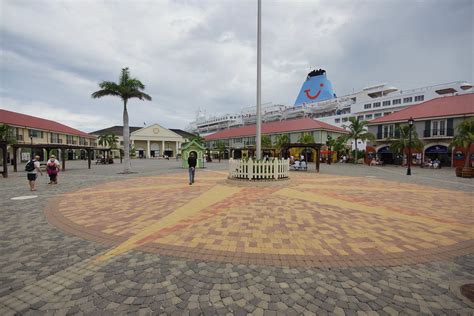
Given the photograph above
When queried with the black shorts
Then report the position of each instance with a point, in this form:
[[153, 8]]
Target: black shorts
[[31, 176]]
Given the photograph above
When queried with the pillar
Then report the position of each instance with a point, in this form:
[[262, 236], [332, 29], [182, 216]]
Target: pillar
[[148, 149], [162, 147], [88, 158], [177, 146], [63, 159], [15, 159], [5, 163]]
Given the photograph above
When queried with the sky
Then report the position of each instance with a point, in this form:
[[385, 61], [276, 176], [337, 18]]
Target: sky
[[201, 55]]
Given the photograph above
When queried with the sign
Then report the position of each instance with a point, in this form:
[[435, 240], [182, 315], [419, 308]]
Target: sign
[[458, 155], [438, 149]]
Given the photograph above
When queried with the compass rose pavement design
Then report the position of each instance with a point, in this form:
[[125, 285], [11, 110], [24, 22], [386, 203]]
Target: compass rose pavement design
[[310, 220]]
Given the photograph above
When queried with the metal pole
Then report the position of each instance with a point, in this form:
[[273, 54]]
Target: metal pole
[[259, 82], [409, 153]]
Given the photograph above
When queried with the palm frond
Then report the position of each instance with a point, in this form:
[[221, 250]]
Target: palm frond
[[103, 93]]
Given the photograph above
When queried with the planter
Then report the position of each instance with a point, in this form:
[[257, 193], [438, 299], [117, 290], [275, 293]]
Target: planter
[[467, 172], [458, 171]]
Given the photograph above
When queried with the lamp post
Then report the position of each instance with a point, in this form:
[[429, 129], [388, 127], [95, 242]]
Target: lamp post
[[31, 138], [410, 124]]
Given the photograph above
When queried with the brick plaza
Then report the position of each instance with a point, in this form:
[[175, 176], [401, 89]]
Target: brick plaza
[[350, 240]]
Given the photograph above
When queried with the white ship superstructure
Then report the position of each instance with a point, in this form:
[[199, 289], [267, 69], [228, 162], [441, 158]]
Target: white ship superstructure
[[369, 103]]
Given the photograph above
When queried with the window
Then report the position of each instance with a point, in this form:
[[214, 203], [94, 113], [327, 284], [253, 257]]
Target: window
[[338, 120], [367, 106], [237, 140], [387, 113], [407, 100], [386, 103], [438, 128], [360, 117], [388, 130], [35, 133], [345, 119], [419, 98], [82, 141], [54, 138], [397, 101], [69, 139], [377, 115], [376, 104], [368, 117]]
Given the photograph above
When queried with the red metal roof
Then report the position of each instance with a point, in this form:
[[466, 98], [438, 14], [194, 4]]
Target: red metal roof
[[439, 107], [23, 120], [295, 125]]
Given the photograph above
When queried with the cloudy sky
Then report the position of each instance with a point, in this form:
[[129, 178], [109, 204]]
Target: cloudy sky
[[202, 54]]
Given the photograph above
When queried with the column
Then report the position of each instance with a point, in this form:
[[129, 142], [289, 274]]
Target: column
[[148, 155], [177, 146], [162, 147]]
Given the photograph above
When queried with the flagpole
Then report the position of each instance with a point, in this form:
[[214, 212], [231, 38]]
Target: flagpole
[[259, 82]]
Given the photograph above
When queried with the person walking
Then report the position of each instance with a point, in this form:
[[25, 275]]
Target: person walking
[[52, 168], [32, 168], [192, 167]]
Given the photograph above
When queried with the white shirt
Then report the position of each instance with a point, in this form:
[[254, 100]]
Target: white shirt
[[37, 165]]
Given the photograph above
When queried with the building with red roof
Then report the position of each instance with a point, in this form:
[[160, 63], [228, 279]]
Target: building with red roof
[[43, 135], [241, 140], [435, 123]]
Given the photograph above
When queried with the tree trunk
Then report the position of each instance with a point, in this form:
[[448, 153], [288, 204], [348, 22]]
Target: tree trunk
[[126, 139], [355, 160], [467, 161]]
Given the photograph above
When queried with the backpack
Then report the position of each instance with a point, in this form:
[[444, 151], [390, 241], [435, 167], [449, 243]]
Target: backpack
[[30, 166], [51, 167]]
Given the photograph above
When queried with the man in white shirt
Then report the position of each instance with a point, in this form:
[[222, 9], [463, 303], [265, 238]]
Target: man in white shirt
[[33, 174]]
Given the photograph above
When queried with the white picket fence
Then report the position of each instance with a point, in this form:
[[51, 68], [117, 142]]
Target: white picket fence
[[259, 170]]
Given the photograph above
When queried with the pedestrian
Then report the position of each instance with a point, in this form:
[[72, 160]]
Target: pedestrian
[[52, 168], [192, 167], [32, 168]]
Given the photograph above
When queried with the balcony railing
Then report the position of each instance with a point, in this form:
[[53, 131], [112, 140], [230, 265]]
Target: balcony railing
[[434, 132]]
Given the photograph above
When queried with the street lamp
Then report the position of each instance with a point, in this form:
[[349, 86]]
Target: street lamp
[[410, 125], [31, 138]]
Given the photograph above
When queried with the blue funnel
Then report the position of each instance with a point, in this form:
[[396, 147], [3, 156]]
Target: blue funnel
[[316, 88]]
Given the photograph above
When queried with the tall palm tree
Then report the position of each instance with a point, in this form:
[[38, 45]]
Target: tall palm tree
[[398, 145], [464, 138], [126, 89], [357, 130]]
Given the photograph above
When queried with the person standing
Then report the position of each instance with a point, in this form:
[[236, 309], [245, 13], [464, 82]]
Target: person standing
[[32, 168], [52, 168], [192, 167]]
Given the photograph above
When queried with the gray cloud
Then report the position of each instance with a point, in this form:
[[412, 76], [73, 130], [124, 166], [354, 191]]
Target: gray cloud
[[202, 54]]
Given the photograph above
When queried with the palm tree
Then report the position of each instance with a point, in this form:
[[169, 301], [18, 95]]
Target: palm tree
[[398, 145], [6, 134], [339, 145], [464, 138], [306, 138], [357, 130], [126, 89], [266, 141], [281, 141]]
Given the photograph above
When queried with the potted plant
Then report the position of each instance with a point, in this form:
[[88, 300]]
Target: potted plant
[[464, 138]]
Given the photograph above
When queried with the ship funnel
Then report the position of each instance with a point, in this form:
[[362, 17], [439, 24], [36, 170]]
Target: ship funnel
[[315, 88]]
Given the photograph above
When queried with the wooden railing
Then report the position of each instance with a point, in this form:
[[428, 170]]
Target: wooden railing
[[259, 170]]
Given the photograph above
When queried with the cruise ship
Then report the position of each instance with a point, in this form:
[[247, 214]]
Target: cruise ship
[[317, 100]]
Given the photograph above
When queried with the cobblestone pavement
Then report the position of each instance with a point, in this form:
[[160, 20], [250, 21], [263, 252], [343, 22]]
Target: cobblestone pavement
[[44, 270]]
